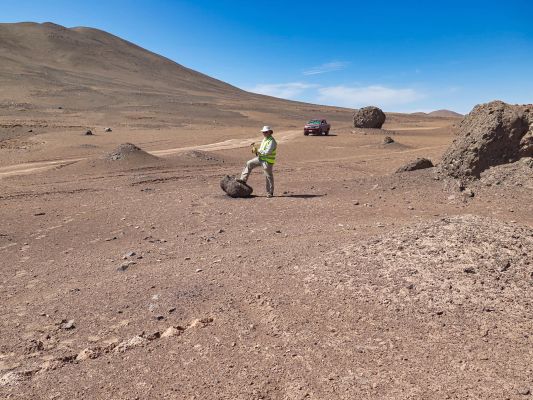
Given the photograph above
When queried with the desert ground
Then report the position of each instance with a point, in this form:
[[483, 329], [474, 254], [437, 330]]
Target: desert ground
[[133, 276]]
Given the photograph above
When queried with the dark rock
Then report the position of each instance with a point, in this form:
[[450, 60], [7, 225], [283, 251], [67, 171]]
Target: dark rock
[[491, 134], [125, 266], [469, 270], [368, 117], [234, 187], [419, 163], [505, 265], [388, 140], [88, 132], [108, 130]]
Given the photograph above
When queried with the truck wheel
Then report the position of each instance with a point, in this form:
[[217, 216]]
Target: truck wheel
[[306, 133], [327, 132]]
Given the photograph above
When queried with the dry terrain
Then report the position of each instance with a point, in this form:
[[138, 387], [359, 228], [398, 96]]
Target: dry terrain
[[130, 275]]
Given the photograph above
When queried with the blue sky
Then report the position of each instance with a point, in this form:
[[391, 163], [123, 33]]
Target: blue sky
[[400, 55]]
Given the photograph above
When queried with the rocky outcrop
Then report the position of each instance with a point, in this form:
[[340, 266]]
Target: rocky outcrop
[[419, 163], [368, 117], [491, 134], [235, 188]]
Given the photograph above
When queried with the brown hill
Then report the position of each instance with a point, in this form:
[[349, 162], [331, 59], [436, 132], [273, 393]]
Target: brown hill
[[445, 113], [49, 69], [439, 113]]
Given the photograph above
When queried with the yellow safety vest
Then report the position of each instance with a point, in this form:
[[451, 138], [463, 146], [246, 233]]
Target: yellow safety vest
[[269, 158]]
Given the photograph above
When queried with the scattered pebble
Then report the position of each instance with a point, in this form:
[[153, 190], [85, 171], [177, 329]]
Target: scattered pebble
[[67, 325]]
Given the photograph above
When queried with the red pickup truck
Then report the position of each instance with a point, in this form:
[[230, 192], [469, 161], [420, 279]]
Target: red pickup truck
[[317, 126]]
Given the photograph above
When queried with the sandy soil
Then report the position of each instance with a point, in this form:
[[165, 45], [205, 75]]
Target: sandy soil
[[332, 289]]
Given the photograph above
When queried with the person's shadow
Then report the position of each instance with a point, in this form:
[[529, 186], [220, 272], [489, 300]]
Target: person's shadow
[[301, 196]]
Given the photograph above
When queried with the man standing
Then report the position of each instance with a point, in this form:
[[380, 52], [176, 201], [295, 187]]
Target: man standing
[[266, 157]]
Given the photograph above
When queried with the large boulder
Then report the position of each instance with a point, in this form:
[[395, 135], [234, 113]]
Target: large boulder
[[419, 163], [491, 134], [368, 117], [235, 188]]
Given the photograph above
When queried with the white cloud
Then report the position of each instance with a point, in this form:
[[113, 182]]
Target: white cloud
[[368, 95], [283, 90], [327, 67]]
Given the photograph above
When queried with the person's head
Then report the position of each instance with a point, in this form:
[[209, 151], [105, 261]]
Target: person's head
[[267, 131]]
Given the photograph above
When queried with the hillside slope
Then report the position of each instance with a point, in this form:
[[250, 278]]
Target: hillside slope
[[89, 74]]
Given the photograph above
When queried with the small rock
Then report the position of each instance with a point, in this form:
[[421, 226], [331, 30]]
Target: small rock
[[108, 130], [505, 265], [128, 255], [469, 270], [524, 391], [388, 140], [88, 132], [67, 325], [126, 265], [87, 354], [199, 270], [135, 341], [160, 317], [201, 322], [468, 193], [172, 331], [39, 214], [153, 336], [356, 203]]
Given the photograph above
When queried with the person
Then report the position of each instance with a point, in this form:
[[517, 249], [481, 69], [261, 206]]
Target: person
[[265, 157]]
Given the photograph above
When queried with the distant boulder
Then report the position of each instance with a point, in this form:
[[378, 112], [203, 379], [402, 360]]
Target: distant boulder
[[88, 132], [368, 117], [419, 163], [108, 130], [235, 188], [491, 134], [388, 140]]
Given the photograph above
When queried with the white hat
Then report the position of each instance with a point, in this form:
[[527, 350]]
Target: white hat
[[266, 128]]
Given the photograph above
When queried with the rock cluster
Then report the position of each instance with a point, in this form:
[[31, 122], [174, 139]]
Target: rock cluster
[[368, 117], [491, 134]]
